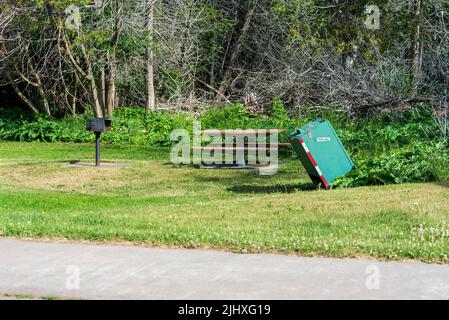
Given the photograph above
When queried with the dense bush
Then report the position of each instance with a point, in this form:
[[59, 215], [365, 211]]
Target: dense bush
[[421, 162], [134, 126], [385, 151], [131, 126]]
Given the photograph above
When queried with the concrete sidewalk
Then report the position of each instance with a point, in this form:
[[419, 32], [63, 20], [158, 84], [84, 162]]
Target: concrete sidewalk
[[118, 272]]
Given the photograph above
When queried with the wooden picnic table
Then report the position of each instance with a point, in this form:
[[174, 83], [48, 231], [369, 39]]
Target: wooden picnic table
[[247, 147]]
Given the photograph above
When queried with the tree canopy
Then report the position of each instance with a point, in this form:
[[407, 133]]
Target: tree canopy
[[72, 56]]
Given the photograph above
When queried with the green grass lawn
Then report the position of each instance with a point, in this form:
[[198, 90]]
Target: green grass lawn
[[150, 202]]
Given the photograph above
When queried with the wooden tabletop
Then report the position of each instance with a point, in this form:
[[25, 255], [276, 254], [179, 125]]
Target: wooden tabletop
[[240, 132]]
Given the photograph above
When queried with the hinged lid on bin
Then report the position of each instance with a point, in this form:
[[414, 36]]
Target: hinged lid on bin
[[321, 152]]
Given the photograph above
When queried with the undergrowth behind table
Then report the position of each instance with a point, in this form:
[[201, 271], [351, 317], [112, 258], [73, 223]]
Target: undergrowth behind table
[[387, 150]]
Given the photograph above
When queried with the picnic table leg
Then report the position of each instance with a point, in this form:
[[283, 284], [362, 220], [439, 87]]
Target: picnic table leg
[[240, 158]]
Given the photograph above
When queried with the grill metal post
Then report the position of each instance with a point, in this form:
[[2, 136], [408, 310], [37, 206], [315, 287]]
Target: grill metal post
[[97, 149], [97, 126]]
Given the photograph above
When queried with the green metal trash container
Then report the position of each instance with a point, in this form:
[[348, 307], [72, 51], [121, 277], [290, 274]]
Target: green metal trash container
[[321, 152]]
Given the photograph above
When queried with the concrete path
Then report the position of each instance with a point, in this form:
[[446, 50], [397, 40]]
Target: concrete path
[[118, 272]]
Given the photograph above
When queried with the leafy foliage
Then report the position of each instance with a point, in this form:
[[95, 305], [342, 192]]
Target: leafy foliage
[[414, 163], [386, 151]]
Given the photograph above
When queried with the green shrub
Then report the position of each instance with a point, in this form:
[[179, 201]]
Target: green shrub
[[236, 116], [231, 117], [131, 126], [386, 150], [420, 162]]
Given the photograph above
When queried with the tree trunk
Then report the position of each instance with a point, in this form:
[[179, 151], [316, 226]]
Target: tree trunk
[[21, 95], [149, 57], [88, 74], [102, 89], [40, 89], [93, 86], [73, 105], [417, 47], [236, 52], [111, 94], [36, 84]]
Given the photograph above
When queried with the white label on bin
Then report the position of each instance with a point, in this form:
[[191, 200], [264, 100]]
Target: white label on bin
[[324, 139]]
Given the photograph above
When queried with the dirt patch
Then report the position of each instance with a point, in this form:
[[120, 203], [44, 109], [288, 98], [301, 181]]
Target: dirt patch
[[59, 176], [103, 165]]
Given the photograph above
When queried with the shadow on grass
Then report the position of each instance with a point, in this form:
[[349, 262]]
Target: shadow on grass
[[442, 184], [289, 188]]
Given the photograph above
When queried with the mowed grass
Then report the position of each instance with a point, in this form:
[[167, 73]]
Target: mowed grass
[[150, 202]]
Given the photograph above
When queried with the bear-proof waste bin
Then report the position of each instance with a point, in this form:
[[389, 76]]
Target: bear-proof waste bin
[[321, 152]]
